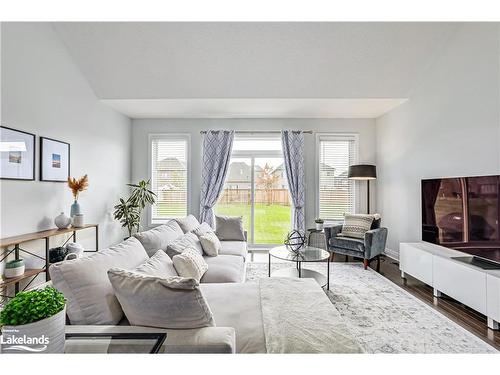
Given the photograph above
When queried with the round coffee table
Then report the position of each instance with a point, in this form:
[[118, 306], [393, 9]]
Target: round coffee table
[[304, 255]]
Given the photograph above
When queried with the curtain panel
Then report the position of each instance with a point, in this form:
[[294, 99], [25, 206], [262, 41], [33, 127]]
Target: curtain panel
[[217, 147], [293, 153]]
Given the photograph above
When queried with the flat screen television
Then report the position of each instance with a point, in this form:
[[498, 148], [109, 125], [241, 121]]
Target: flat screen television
[[463, 213]]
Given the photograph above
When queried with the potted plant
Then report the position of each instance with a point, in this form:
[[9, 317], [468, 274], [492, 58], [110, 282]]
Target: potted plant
[[34, 321], [129, 211], [319, 224]]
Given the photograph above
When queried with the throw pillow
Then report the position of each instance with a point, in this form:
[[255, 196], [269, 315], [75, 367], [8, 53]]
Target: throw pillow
[[356, 225], [190, 264], [211, 244], [188, 223], [229, 228], [159, 265], [173, 302], [202, 229], [182, 243], [159, 237]]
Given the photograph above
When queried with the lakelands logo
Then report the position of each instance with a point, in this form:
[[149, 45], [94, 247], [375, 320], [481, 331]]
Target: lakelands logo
[[12, 342]]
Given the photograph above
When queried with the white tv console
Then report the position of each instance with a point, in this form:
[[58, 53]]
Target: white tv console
[[470, 285]]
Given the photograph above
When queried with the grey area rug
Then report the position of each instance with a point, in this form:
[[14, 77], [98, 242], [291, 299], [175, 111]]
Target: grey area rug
[[383, 317]]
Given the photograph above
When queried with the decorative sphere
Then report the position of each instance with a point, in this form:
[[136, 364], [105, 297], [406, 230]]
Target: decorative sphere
[[295, 240]]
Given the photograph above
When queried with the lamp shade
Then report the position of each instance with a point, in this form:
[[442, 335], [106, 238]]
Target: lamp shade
[[362, 172]]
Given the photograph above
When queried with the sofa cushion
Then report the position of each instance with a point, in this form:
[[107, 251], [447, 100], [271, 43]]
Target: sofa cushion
[[224, 269], [356, 225], [348, 243], [190, 264], [182, 243], [229, 228], [173, 302], [234, 248], [159, 237], [85, 284], [159, 265], [377, 221], [204, 228], [210, 243], [188, 223]]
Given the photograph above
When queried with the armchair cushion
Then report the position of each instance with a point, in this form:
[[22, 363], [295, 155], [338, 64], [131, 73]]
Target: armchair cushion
[[347, 243]]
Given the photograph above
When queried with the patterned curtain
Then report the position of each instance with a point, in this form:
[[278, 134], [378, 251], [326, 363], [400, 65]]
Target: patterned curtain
[[293, 151], [217, 146]]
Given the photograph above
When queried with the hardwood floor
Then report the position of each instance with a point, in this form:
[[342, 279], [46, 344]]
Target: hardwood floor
[[469, 319]]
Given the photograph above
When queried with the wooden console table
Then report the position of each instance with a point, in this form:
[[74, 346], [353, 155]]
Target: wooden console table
[[42, 235]]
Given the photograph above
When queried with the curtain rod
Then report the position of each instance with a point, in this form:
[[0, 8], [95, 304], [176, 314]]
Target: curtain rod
[[261, 131]]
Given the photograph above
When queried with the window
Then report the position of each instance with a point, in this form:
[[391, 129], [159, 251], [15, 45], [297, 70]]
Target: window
[[336, 194], [169, 176], [256, 188]]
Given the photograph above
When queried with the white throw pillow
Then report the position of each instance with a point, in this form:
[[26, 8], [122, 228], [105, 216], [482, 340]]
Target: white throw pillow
[[159, 265], [202, 229], [229, 228], [190, 264], [188, 223], [356, 225], [182, 243], [210, 243], [173, 302], [159, 237]]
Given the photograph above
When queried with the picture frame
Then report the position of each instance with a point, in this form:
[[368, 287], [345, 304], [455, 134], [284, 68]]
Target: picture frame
[[17, 154], [55, 157]]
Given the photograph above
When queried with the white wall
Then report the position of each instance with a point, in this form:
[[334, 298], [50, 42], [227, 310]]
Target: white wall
[[44, 93], [449, 127], [141, 128]]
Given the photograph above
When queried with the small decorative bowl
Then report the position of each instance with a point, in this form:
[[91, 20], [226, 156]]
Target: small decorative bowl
[[14, 268]]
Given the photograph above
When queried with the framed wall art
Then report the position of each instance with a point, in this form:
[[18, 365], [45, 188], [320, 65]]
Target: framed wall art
[[17, 153], [54, 160]]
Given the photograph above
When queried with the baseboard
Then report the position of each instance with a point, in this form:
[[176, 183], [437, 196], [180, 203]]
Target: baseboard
[[393, 254]]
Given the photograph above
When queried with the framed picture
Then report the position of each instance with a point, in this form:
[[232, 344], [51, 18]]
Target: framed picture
[[17, 153], [54, 160]]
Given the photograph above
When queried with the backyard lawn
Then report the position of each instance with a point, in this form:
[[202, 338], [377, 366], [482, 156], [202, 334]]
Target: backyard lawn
[[272, 222]]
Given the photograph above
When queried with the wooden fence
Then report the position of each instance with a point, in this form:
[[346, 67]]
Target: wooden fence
[[273, 196]]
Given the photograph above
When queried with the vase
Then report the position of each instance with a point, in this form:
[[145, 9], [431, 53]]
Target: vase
[[45, 336], [78, 221], [62, 221], [75, 209], [319, 226]]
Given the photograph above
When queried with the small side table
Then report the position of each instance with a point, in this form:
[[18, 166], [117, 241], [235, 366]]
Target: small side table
[[317, 238]]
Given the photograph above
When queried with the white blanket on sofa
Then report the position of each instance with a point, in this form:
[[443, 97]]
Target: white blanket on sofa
[[299, 318]]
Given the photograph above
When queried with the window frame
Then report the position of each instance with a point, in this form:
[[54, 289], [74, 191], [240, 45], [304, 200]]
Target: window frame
[[334, 137], [169, 136]]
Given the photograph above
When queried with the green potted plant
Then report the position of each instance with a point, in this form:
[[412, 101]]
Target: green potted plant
[[33, 321], [129, 211], [319, 224]]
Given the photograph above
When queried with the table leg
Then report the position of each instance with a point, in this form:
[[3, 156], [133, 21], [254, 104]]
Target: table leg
[[269, 265], [47, 263], [97, 238], [300, 269], [327, 275]]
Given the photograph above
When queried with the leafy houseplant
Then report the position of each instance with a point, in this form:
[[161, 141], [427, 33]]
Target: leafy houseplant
[[128, 212], [319, 224], [39, 316]]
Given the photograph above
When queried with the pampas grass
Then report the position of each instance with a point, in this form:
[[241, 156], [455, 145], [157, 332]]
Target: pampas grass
[[78, 185]]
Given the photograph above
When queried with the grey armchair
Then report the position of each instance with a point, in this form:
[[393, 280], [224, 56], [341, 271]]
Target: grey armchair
[[368, 248]]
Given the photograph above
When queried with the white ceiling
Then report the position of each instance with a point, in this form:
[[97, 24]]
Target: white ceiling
[[253, 108], [327, 61]]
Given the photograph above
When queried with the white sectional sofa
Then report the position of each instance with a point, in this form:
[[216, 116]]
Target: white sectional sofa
[[271, 316]]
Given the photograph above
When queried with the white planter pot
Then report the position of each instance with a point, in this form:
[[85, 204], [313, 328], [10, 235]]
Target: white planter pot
[[44, 336], [319, 226]]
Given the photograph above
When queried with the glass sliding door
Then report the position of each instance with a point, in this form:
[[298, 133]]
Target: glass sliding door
[[256, 188]]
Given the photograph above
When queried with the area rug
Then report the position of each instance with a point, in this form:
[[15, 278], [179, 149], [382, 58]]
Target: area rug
[[383, 317]]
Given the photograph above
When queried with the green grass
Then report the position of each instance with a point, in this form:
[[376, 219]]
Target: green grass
[[272, 222]]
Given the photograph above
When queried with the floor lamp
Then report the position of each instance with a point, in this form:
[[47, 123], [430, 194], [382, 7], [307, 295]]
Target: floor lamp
[[363, 172]]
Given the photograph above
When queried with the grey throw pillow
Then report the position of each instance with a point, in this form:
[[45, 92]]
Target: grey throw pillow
[[188, 240], [188, 223], [173, 302], [204, 228], [229, 228], [159, 237], [159, 265]]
